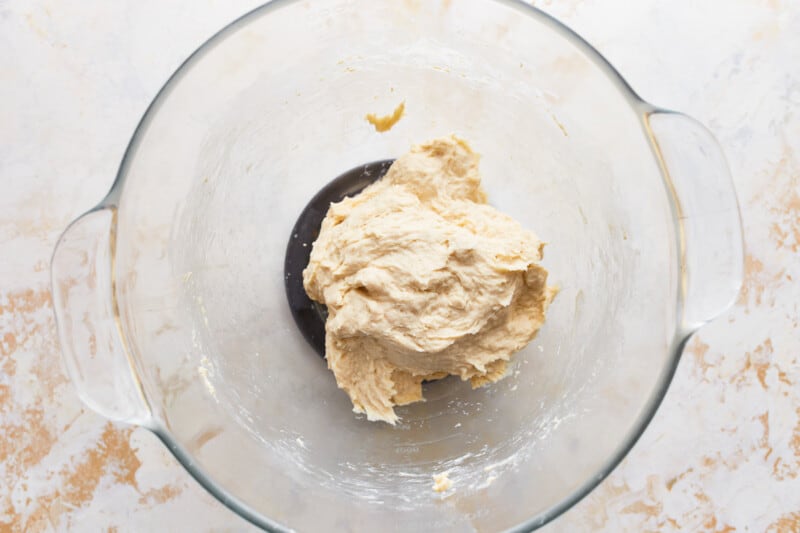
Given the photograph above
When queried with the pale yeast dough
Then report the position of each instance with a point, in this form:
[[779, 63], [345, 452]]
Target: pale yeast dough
[[423, 279]]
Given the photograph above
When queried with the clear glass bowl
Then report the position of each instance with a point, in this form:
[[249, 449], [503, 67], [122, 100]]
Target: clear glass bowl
[[170, 297]]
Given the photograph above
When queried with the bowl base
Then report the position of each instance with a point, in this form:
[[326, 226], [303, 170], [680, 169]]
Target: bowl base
[[309, 315]]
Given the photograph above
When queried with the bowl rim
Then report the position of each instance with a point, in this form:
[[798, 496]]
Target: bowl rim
[[680, 338]]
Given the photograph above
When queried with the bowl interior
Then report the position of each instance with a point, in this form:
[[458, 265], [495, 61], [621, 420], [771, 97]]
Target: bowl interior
[[272, 110]]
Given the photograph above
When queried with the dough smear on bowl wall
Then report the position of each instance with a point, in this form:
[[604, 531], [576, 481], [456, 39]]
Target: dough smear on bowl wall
[[423, 279]]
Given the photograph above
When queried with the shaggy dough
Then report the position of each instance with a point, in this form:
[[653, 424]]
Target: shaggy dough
[[423, 279]]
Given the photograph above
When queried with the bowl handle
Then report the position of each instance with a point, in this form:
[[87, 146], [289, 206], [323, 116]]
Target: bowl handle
[[87, 318], [707, 213]]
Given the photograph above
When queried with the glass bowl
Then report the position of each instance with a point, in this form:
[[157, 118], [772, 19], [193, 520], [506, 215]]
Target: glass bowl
[[169, 294]]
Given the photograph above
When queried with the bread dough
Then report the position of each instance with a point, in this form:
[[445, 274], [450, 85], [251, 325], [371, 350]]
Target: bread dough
[[441, 482], [423, 279], [385, 123]]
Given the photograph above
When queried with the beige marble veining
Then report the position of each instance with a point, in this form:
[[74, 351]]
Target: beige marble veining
[[722, 454]]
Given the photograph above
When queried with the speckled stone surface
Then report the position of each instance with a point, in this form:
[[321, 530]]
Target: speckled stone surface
[[723, 453]]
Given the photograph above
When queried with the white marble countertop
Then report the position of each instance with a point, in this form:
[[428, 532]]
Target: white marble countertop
[[723, 453]]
